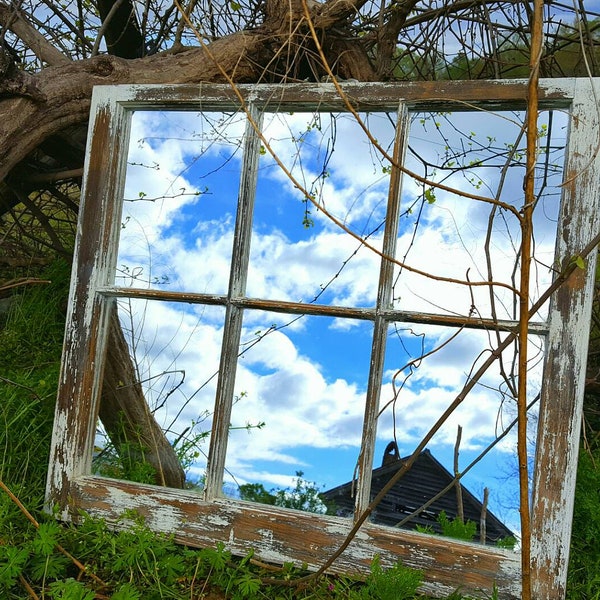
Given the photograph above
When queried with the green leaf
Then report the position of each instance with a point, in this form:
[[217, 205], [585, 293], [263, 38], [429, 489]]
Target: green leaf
[[579, 262], [54, 566], [70, 590], [12, 561], [248, 585], [46, 538], [126, 592], [430, 195]]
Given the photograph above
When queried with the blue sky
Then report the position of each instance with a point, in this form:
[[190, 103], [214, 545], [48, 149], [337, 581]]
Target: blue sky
[[306, 378]]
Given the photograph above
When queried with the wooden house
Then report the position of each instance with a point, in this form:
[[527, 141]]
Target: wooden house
[[424, 480]]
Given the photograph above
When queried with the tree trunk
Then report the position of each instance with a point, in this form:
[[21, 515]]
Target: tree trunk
[[126, 416], [67, 89]]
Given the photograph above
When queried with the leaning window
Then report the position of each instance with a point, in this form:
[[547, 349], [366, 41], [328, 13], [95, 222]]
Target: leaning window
[[294, 314]]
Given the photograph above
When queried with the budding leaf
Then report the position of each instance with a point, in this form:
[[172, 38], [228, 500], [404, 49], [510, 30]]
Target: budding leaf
[[430, 195], [579, 262]]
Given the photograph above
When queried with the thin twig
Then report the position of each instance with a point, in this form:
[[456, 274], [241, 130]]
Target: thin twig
[[537, 20]]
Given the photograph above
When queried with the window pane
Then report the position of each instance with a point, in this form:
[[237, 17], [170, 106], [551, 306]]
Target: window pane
[[427, 367], [448, 235], [163, 371], [300, 399], [298, 253], [181, 190]]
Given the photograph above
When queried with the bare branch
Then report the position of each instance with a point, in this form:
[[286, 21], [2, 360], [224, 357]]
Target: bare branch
[[14, 20]]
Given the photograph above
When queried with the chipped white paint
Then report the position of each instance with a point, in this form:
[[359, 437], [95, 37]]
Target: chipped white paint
[[569, 318], [278, 535]]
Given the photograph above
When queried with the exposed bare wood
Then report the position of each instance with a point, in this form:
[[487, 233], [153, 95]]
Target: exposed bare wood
[[280, 535], [55, 176], [233, 316], [22, 281], [300, 308], [459, 498], [387, 35], [561, 405], [482, 527]]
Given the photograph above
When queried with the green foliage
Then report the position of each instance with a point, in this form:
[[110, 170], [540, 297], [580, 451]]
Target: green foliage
[[508, 543], [70, 589], [256, 492], [126, 463], [454, 528], [429, 195], [584, 566], [396, 583], [30, 351], [305, 495]]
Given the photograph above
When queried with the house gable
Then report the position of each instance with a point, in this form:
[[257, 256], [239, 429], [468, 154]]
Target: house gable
[[427, 478]]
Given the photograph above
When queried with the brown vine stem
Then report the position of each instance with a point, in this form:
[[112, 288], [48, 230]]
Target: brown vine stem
[[342, 94], [322, 208], [526, 258], [28, 588]]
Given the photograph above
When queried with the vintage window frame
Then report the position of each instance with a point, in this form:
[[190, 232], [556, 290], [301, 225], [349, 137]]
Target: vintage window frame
[[280, 535]]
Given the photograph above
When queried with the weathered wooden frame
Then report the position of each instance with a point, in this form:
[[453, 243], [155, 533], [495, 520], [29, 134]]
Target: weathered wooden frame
[[280, 535]]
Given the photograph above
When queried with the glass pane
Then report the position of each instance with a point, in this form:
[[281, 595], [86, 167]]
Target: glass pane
[[158, 391], [427, 368], [299, 406], [181, 190], [444, 234], [298, 253]]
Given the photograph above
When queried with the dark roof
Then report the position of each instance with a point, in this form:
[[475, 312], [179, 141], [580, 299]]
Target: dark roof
[[425, 479]]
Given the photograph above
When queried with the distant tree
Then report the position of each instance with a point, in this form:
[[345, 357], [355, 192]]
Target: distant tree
[[305, 495], [256, 492]]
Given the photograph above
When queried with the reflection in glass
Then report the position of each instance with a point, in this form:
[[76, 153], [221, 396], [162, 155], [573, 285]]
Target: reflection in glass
[[300, 398], [158, 393], [331, 159], [427, 368], [475, 239], [181, 190]]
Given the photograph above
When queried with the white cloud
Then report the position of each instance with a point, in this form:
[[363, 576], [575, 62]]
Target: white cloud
[[297, 271]]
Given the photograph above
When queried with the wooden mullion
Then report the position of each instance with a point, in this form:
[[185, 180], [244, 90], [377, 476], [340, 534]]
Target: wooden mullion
[[384, 302], [169, 296], [328, 310], [234, 314]]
